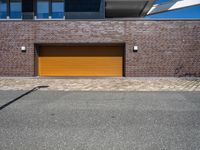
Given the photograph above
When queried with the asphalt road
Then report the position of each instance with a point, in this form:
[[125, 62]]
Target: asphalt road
[[100, 121]]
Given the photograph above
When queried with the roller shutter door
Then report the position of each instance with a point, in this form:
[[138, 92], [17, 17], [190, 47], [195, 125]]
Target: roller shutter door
[[81, 61]]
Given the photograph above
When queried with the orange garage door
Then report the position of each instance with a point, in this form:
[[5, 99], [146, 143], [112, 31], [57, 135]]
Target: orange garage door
[[80, 61]]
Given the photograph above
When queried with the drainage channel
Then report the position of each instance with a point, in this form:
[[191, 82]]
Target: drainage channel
[[32, 90]]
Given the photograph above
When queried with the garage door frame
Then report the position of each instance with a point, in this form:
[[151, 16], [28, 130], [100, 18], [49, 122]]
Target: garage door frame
[[37, 49]]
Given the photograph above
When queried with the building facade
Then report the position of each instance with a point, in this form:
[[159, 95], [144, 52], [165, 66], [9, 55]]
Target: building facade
[[78, 38]]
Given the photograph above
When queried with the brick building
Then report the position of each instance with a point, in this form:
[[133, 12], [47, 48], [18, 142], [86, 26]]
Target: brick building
[[94, 38]]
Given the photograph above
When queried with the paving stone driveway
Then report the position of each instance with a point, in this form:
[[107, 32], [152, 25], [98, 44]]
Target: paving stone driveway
[[103, 84]]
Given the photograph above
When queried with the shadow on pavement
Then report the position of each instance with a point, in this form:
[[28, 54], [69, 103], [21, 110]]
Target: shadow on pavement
[[12, 101]]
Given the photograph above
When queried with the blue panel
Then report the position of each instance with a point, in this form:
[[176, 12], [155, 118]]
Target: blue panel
[[57, 9], [3, 9], [184, 13], [43, 9], [161, 1], [15, 9]]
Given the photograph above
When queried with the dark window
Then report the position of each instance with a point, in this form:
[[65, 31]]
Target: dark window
[[15, 9], [42, 9], [3, 9], [27, 5], [84, 9], [83, 5], [27, 9], [57, 8]]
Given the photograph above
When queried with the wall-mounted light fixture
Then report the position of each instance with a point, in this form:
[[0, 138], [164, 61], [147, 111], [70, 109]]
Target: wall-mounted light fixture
[[23, 49], [135, 49]]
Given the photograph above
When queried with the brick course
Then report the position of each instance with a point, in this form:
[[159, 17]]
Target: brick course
[[166, 48]]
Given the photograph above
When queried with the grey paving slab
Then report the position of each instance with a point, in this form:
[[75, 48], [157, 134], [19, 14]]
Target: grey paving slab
[[101, 120]]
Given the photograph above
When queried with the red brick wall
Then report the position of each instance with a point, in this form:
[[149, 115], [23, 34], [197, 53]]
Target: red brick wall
[[166, 48]]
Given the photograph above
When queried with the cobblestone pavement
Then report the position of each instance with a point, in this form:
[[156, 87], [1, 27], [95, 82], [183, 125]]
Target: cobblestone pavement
[[103, 84]]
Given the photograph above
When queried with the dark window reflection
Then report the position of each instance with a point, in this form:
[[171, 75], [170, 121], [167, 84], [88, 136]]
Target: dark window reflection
[[83, 5], [27, 5], [42, 9], [57, 8], [3, 9], [27, 9], [15, 9]]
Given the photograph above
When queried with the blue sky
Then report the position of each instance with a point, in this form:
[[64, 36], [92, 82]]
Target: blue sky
[[186, 13]]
